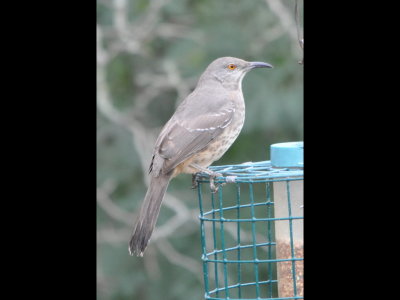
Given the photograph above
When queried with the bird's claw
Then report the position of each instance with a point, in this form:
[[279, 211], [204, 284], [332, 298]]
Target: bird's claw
[[195, 184], [214, 187]]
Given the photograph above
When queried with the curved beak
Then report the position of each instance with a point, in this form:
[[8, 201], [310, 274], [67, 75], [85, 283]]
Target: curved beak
[[259, 64]]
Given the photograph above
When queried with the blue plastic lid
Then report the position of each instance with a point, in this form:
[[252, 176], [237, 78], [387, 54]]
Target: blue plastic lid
[[287, 155]]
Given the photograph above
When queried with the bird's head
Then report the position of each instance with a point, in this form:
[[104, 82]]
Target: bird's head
[[229, 71]]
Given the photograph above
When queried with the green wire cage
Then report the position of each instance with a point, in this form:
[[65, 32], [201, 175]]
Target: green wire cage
[[252, 228]]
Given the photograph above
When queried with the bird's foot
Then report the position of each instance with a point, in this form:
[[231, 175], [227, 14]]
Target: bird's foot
[[214, 188], [194, 181]]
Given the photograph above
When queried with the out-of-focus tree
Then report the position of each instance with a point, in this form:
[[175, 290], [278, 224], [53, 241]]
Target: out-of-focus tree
[[149, 57]]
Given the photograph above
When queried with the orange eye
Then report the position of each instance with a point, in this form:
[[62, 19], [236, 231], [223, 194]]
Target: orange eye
[[231, 67]]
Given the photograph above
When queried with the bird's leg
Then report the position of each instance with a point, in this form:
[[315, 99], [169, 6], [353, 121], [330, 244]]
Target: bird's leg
[[205, 170], [210, 173]]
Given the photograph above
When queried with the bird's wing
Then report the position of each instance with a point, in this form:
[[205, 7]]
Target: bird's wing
[[190, 131]]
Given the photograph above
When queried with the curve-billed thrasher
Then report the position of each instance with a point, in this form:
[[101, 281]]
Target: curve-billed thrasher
[[200, 131]]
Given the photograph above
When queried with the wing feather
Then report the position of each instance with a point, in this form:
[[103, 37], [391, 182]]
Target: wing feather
[[188, 132]]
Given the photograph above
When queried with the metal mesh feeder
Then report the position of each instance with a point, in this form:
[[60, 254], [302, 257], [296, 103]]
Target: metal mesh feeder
[[252, 230]]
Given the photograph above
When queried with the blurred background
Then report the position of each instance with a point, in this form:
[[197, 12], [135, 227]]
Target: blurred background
[[150, 54]]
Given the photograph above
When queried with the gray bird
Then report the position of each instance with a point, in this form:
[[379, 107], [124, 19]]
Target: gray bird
[[200, 131]]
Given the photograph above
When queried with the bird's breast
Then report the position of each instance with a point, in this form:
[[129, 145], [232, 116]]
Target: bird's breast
[[217, 148]]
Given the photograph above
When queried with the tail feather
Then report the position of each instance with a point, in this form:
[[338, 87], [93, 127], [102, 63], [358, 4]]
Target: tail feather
[[148, 214]]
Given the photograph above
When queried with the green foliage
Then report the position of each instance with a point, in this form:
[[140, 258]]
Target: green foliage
[[120, 72]]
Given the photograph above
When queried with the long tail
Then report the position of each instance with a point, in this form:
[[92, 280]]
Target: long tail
[[148, 214]]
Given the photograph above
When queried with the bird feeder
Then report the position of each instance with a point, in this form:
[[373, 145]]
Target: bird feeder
[[288, 207], [252, 228]]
